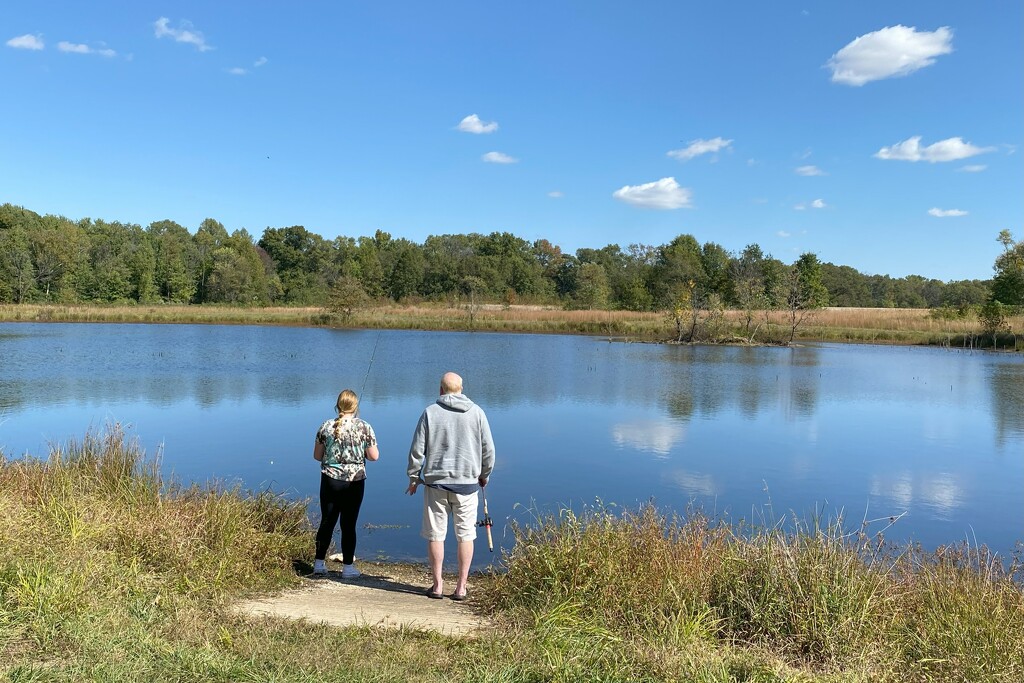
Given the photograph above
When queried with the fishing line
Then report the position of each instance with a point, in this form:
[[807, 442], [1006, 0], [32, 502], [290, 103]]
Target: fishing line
[[370, 364]]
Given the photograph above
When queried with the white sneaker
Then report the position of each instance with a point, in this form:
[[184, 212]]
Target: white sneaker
[[319, 568], [349, 571]]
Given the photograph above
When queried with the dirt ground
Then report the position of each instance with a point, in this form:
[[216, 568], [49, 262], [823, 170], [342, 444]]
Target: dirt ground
[[386, 595]]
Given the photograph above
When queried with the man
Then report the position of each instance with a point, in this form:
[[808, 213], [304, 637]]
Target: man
[[452, 453]]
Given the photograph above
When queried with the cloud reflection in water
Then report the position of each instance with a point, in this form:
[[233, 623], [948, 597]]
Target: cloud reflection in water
[[652, 436]]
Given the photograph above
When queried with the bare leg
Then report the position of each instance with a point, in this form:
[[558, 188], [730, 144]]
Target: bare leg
[[465, 559], [435, 554]]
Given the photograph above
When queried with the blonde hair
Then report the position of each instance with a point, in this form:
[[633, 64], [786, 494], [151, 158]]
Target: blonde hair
[[348, 402]]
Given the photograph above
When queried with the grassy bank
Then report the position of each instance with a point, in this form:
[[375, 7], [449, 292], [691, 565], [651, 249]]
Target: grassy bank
[[874, 325], [109, 573]]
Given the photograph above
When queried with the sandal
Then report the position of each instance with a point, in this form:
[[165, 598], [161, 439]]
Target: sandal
[[431, 594]]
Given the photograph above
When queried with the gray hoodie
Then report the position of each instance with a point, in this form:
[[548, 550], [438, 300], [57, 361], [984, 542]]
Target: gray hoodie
[[452, 443]]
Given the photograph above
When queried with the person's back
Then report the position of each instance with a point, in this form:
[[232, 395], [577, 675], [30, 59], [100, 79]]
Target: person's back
[[455, 433]]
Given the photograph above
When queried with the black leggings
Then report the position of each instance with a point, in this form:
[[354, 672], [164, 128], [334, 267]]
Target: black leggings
[[339, 499]]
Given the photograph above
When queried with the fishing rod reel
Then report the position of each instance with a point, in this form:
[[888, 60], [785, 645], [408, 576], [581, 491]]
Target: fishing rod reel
[[486, 523]]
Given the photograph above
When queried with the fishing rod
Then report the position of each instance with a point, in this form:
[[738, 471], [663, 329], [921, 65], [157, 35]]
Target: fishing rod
[[486, 522], [369, 365]]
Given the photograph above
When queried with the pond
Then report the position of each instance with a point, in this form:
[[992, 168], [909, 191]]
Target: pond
[[761, 434]]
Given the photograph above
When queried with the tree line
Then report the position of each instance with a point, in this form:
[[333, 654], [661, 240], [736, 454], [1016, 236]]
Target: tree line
[[47, 258]]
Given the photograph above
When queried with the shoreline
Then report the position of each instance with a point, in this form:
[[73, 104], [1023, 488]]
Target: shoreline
[[891, 327], [112, 572]]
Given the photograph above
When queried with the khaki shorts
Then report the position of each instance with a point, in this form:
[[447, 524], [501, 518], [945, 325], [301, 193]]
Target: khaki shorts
[[438, 504]]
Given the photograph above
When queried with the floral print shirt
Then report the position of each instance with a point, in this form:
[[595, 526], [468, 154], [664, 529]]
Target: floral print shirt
[[345, 441]]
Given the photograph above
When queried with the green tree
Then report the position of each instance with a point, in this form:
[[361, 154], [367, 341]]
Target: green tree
[[177, 261], [633, 288], [805, 292], [60, 253], [1008, 283], [846, 286], [748, 278], [592, 287], [111, 272], [406, 268], [994, 319], [508, 262], [346, 297], [446, 260], [300, 259], [230, 279], [962, 294], [715, 262], [371, 270], [17, 274], [678, 264]]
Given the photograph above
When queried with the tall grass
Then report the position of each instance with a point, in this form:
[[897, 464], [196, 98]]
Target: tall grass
[[817, 596], [93, 538], [110, 573]]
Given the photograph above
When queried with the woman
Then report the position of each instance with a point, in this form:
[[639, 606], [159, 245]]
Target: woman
[[343, 446]]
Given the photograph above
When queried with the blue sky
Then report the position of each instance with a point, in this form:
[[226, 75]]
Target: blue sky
[[881, 135]]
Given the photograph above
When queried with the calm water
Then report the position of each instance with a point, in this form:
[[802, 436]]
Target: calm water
[[747, 433]]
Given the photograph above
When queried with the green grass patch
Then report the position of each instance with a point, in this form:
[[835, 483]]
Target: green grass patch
[[111, 573]]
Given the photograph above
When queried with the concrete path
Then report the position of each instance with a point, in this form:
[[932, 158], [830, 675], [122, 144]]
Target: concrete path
[[390, 596]]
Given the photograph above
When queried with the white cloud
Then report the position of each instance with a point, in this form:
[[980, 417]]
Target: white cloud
[[27, 42], [498, 158], [185, 33], [816, 204], [473, 124], [698, 147], [260, 62], [974, 168], [661, 194], [809, 171], [555, 194], [65, 46], [946, 213], [81, 49], [889, 52], [238, 71], [950, 149], [783, 234]]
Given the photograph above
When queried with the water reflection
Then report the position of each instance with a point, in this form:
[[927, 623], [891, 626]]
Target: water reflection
[[652, 436], [575, 418], [211, 365], [939, 492], [1006, 380], [696, 485]]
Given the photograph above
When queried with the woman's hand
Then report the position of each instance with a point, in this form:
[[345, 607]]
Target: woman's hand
[[412, 488]]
